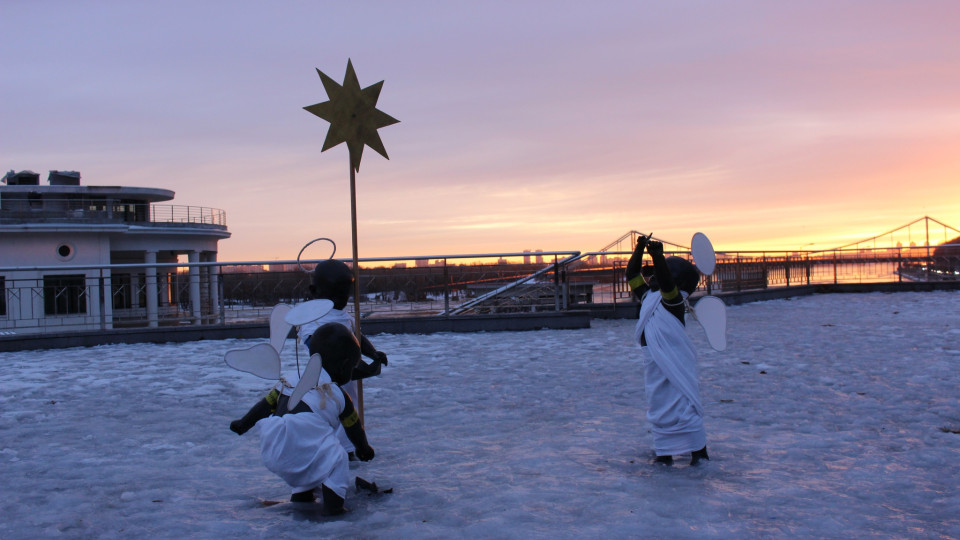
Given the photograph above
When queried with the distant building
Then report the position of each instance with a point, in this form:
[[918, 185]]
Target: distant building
[[55, 238], [946, 257], [526, 256]]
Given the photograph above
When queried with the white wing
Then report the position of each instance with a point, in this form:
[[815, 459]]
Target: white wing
[[711, 313], [308, 381], [279, 327], [703, 254], [308, 311], [261, 360]]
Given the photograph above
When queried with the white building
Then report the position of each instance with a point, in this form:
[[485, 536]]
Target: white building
[[56, 239]]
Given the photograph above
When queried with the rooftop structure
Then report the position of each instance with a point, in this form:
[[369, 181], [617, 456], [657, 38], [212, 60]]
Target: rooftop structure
[[79, 229]]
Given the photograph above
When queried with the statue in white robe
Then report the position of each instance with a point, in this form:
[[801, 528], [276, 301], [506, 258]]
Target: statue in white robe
[[674, 409]]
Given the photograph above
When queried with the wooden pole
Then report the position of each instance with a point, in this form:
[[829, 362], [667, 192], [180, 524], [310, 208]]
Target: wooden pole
[[354, 119], [356, 274]]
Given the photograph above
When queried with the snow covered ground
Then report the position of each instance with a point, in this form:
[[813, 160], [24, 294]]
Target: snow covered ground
[[828, 416]]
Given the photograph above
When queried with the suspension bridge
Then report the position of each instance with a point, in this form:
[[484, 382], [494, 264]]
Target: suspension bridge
[[922, 232]]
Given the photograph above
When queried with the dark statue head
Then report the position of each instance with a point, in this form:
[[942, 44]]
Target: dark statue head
[[332, 281], [685, 274]]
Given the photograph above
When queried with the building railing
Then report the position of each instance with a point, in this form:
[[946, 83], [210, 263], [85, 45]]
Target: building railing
[[57, 299], [175, 213], [24, 209]]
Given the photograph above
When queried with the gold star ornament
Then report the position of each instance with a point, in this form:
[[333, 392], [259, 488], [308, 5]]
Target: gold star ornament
[[353, 115]]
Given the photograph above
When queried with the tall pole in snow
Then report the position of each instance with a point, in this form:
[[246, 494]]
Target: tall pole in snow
[[354, 119], [356, 274]]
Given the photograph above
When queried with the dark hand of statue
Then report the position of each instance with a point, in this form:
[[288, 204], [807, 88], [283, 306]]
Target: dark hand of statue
[[641, 242], [364, 454], [381, 357], [655, 248]]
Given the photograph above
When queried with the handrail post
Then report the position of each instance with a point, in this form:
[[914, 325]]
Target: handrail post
[[556, 284], [739, 274], [221, 301], [834, 267], [766, 269], [566, 288], [103, 300], [899, 265], [446, 288], [786, 264], [619, 285]]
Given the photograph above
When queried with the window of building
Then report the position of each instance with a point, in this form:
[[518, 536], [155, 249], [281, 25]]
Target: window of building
[[3, 296], [64, 295], [128, 290], [65, 252]]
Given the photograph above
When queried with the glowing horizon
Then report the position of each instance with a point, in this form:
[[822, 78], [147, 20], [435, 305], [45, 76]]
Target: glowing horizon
[[539, 125]]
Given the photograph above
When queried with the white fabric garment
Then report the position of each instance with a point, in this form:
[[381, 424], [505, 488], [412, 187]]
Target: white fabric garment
[[303, 449], [346, 319], [674, 409], [334, 315]]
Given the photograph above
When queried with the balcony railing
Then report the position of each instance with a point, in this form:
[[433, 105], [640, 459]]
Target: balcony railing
[[173, 213], [46, 210]]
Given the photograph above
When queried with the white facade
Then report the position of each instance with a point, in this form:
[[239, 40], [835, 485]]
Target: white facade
[[57, 242]]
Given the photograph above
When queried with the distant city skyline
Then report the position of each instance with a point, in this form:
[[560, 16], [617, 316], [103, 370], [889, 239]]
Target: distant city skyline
[[532, 125]]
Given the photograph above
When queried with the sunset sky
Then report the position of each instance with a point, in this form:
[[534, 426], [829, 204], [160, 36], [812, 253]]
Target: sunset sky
[[553, 125]]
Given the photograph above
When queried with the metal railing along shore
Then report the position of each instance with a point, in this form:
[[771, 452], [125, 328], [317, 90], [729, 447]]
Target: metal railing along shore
[[58, 299]]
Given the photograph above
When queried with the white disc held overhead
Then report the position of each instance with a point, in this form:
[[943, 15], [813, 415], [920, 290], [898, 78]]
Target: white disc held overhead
[[308, 311], [703, 254], [261, 360], [711, 313]]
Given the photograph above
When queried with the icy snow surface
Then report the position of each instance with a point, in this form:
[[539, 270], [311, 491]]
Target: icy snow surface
[[827, 416]]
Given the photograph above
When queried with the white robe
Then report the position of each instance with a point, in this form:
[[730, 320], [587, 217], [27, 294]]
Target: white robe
[[674, 409], [303, 449], [346, 319]]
